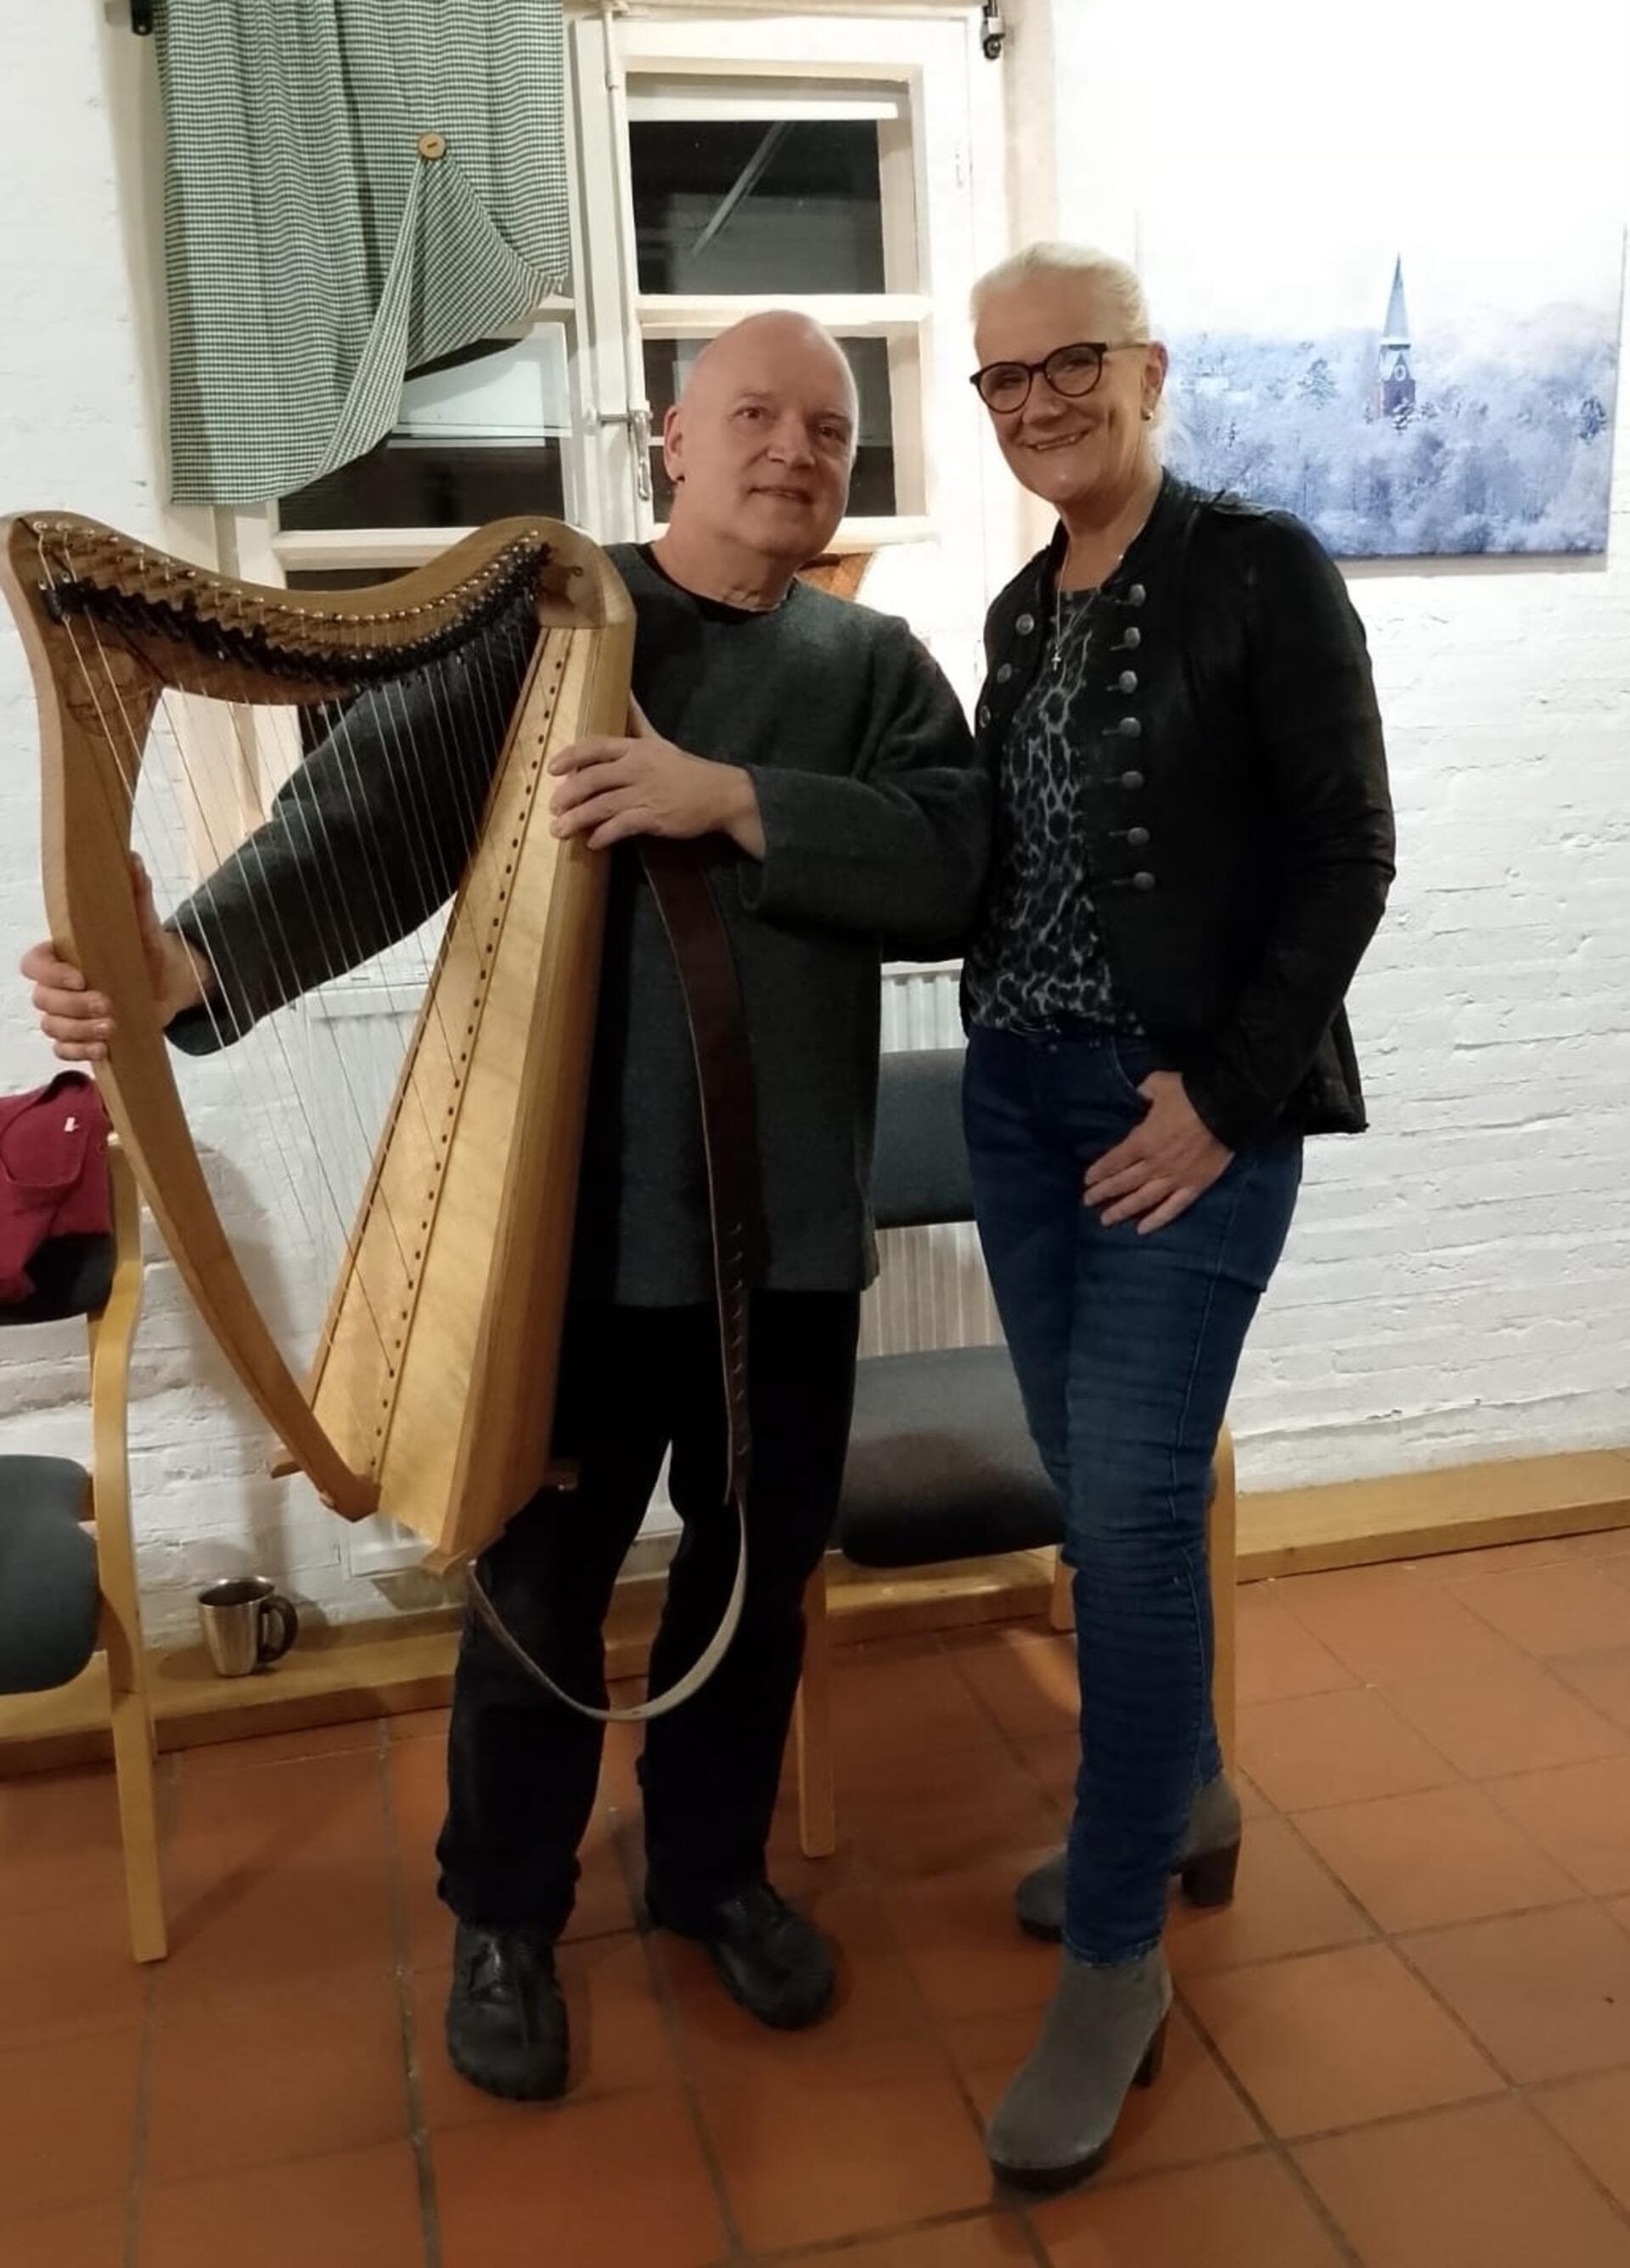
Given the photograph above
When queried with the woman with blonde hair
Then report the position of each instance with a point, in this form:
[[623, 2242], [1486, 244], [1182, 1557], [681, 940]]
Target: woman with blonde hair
[[1195, 844]]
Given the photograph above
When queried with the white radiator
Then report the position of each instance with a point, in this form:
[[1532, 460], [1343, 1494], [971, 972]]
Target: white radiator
[[932, 1289]]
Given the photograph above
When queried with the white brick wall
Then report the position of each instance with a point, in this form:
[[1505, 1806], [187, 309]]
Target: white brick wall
[[1460, 1282], [79, 354]]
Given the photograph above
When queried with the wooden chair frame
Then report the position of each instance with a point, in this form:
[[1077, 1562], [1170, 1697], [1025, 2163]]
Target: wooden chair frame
[[119, 1629], [817, 1795]]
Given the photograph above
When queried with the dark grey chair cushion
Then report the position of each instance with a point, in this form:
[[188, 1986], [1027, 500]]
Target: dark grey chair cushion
[[71, 1276], [49, 1603], [941, 1465], [919, 1174]]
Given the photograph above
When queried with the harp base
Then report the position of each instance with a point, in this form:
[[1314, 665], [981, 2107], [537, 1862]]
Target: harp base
[[365, 1500], [283, 1467]]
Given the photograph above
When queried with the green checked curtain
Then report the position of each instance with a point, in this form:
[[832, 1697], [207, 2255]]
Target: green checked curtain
[[354, 187]]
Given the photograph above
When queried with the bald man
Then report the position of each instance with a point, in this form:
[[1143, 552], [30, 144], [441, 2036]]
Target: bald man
[[821, 747]]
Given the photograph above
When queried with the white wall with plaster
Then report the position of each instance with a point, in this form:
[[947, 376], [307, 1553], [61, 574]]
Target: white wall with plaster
[[1459, 1285]]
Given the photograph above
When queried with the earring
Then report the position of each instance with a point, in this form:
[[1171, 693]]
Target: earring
[[1148, 414]]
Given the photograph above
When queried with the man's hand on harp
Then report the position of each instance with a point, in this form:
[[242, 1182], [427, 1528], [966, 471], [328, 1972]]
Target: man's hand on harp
[[78, 1022], [641, 783]]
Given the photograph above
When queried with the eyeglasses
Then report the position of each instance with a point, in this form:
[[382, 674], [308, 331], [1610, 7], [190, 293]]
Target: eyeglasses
[[1070, 371]]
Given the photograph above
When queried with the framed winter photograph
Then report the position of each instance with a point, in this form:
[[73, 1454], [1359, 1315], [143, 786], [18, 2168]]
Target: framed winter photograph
[[1409, 387]]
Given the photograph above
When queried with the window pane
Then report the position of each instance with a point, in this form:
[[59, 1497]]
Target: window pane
[[758, 205], [476, 438], [872, 489], [446, 484]]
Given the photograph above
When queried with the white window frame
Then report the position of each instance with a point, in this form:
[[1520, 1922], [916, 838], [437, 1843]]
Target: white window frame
[[674, 86], [823, 61], [929, 53]]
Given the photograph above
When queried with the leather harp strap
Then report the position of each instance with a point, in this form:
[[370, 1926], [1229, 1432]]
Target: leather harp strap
[[712, 990]]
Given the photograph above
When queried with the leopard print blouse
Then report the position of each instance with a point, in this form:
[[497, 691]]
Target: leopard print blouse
[[1039, 962]]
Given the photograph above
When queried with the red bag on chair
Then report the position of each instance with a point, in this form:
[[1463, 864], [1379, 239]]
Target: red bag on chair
[[52, 1174]]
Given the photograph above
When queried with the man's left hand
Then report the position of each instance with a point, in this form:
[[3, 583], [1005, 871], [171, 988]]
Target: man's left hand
[[1167, 1162], [643, 784]]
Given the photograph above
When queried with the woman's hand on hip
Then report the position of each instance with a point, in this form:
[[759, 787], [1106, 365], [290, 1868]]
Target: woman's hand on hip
[[1167, 1162]]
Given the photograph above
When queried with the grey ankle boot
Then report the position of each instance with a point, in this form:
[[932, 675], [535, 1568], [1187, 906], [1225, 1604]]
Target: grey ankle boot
[[1104, 2034], [1207, 1865]]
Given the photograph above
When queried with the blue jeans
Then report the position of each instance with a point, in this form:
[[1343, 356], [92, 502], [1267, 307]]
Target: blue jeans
[[1125, 1348]]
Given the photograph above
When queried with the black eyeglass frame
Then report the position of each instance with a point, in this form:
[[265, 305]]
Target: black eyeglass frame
[[1032, 371]]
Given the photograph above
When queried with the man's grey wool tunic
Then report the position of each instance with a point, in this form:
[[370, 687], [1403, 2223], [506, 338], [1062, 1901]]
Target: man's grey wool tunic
[[876, 819]]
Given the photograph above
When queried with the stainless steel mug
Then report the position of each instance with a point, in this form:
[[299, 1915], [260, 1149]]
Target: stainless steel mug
[[248, 1625]]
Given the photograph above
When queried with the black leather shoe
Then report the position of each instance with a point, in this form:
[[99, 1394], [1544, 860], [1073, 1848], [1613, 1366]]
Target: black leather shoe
[[506, 2020], [773, 1962]]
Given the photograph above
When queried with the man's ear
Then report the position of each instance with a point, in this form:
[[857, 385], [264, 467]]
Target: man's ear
[[673, 446]]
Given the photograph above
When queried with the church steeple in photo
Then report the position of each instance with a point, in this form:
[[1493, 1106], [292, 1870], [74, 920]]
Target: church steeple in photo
[[1395, 376]]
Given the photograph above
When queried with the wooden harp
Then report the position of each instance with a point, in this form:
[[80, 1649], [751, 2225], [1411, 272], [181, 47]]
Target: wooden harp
[[430, 1392]]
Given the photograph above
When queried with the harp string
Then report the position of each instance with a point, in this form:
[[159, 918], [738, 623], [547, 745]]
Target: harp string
[[336, 748], [437, 869], [339, 754], [422, 762], [166, 767], [124, 746], [101, 690], [435, 875], [203, 720], [398, 925], [401, 921], [440, 748], [284, 1171], [274, 948]]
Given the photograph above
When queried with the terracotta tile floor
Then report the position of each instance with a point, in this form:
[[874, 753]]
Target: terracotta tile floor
[[1405, 2046]]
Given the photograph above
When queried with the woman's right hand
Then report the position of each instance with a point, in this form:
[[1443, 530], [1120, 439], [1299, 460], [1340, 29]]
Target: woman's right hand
[[79, 1022]]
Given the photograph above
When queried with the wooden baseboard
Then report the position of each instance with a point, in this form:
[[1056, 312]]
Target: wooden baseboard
[[1414, 1515], [370, 1669]]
